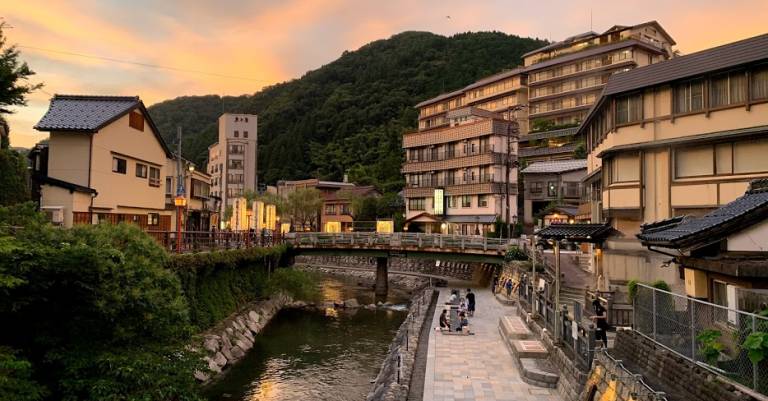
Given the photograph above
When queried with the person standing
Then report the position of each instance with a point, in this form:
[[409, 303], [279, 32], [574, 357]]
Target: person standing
[[495, 285], [601, 322], [508, 286], [470, 302]]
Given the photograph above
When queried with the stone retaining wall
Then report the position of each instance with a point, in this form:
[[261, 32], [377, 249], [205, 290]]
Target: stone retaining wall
[[231, 339], [572, 379], [459, 270], [394, 378], [369, 277], [661, 369]]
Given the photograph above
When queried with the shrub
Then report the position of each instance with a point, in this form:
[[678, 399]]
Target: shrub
[[217, 283], [515, 253], [297, 283], [710, 347]]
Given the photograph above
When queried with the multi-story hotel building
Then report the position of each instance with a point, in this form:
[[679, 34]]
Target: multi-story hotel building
[[456, 169], [557, 85], [232, 159], [679, 138]]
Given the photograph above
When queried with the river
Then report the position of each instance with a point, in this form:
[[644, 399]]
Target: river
[[323, 355]]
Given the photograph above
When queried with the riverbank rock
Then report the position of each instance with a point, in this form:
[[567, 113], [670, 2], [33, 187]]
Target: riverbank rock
[[351, 303], [229, 341]]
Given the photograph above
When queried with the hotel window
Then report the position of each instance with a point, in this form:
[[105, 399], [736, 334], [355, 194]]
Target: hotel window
[[153, 219], [236, 164], [200, 189], [629, 109], [141, 170], [330, 209], [750, 156], [119, 165], [694, 162], [466, 201], [625, 168], [482, 200], [154, 177], [169, 185], [689, 96], [536, 187], [759, 84], [136, 121], [453, 202], [245, 134], [237, 134], [345, 210], [728, 88], [416, 204], [551, 189]]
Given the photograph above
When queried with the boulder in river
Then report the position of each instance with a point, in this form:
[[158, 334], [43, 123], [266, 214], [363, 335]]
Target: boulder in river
[[351, 303]]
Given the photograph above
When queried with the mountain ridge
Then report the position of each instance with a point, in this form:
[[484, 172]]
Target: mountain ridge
[[347, 115]]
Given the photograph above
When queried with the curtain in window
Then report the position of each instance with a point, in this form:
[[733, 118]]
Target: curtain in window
[[759, 84], [737, 83], [718, 91]]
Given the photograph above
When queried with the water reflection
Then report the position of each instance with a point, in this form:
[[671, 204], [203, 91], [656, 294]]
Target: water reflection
[[326, 355]]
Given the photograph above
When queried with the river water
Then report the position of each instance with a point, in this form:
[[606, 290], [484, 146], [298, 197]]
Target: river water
[[323, 355]]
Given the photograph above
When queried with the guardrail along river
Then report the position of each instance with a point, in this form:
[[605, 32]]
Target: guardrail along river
[[323, 354]]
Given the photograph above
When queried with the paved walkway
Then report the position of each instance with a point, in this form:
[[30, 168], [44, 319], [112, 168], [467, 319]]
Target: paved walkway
[[478, 367]]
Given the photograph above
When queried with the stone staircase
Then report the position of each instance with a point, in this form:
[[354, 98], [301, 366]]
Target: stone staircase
[[531, 356]]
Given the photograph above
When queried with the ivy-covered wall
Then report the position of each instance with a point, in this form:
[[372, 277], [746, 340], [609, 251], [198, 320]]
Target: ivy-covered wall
[[217, 283]]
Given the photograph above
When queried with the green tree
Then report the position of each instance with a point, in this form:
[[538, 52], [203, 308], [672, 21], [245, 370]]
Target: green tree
[[302, 206], [16, 383], [95, 311], [14, 76]]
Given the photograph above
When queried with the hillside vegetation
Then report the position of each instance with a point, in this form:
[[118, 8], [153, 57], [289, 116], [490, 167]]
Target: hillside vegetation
[[348, 115]]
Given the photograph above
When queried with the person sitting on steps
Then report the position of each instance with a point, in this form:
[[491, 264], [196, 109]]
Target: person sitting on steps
[[444, 325]]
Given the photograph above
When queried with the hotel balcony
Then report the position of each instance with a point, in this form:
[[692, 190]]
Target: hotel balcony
[[483, 184], [434, 161], [456, 133]]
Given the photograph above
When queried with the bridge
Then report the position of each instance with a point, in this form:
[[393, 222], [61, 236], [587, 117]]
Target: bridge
[[415, 245]]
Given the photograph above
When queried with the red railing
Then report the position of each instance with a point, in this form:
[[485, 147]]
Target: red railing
[[201, 241]]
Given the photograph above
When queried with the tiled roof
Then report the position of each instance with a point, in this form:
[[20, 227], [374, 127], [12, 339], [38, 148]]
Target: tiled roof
[[348, 193], [530, 152], [441, 97], [555, 166], [84, 113], [716, 58], [685, 232], [562, 43], [575, 232], [65, 184], [473, 218]]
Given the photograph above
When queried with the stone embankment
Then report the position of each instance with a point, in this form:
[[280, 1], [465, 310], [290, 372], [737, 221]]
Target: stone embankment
[[394, 379], [410, 283], [231, 339], [458, 270]]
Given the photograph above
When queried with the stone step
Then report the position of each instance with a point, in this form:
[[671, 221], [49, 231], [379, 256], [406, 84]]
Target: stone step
[[528, 349], [538, 372], [513, 328]]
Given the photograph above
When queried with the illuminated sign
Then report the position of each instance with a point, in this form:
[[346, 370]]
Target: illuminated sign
[[439, 201]]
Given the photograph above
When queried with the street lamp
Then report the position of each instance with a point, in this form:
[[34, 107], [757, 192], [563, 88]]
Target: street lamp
[[179, 201]]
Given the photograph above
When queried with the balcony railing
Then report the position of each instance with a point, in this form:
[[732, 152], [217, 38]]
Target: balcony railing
[[448, 181], [439, 155]]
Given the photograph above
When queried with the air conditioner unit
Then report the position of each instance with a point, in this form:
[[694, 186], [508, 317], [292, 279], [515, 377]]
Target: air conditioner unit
[[54, 213]]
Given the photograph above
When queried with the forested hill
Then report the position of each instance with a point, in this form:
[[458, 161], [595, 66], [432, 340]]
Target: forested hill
[[348, 115]]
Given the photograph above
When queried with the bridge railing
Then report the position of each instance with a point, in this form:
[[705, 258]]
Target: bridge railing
[[201, 241], [398, 241]]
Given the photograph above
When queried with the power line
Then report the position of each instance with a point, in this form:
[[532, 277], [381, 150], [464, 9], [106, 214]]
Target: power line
[[156, 66]]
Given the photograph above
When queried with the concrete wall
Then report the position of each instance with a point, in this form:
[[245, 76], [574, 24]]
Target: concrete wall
[[127, 193]]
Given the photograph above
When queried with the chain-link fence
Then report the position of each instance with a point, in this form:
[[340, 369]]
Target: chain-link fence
[[709, 334]]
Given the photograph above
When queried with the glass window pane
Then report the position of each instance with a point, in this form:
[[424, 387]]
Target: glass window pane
[[724, 158], [626, 168], [759, 89], [738, 88], [694, 162], [718, 91], [750, 156]]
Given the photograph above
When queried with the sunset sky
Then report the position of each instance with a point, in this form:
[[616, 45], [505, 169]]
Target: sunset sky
[[232, 47]]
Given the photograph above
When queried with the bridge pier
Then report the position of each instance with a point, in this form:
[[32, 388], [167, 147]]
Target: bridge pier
[[382, 283]]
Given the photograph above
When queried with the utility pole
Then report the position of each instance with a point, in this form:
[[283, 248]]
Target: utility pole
[[512, 120], [180, 200]]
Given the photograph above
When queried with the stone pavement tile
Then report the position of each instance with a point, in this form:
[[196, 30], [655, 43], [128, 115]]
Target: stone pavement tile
[[477, 367]]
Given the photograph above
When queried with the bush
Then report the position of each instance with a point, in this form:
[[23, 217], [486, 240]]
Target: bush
[[92, 304], [216, 284], [515, 253], [16, 382], [297, 283]]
